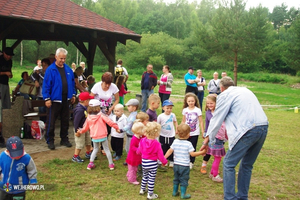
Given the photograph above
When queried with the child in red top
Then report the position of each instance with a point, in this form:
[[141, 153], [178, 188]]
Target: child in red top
[[120, 84], [151, 151], [133, 159]]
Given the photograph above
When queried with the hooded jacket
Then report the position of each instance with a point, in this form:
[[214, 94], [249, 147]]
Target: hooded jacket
[[151, 150], [97, 126]]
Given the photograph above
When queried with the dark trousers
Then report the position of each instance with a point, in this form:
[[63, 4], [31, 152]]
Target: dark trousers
[[62, 110], [166, 143], [117, 145], [163, 97], [7, 196], [200, 96], [206, 157], [191, 89], [194, 141]]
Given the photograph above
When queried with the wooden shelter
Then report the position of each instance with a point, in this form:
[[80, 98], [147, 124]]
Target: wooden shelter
[[62, 20]]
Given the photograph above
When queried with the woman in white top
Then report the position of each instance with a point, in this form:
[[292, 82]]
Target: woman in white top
[[214, 85], [104, 91], [200, 86]]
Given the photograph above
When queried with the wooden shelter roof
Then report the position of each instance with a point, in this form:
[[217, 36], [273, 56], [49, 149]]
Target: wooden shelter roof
[[56, 20]]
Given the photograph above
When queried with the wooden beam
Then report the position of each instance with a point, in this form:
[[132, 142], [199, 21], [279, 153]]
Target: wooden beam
[[9, 29], [66, 42], [51, 28], [104, 48], [90, 59], [16, 43], [111, 44], [3, 44], [38, 41], [80, 46]]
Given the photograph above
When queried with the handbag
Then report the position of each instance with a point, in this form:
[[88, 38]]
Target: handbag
[[28, 87]]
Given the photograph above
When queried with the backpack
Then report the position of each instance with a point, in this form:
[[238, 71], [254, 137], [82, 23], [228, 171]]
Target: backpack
[[118, 71]]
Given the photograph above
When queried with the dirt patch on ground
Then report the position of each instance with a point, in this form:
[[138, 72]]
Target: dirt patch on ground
[[42, 157], [297, 85]]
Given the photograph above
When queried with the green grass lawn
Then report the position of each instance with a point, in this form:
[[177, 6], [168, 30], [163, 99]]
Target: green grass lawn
[[275, 173]]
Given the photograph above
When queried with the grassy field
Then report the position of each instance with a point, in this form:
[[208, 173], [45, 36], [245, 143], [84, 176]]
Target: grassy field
[[275, 173]]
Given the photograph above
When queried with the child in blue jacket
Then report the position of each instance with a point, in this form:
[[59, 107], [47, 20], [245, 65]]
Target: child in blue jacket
[[16, 168]]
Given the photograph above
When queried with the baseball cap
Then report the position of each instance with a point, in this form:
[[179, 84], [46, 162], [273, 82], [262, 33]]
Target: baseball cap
[[94, 102], [15, 147], [132, 102], [9, 51], [85, 96], [191, 67], [167, 103]]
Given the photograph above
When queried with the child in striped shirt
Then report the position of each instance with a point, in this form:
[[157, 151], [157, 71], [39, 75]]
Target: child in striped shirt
[[182, 150]]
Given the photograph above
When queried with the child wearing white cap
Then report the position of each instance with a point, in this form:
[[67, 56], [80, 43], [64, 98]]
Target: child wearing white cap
[[96, 124]]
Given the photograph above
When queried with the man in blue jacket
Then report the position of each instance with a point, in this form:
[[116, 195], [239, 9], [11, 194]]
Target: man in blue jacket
[[58, 93]]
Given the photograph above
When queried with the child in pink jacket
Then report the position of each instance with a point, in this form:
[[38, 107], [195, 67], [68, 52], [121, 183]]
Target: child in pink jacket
[[96, 123], [151, 151]]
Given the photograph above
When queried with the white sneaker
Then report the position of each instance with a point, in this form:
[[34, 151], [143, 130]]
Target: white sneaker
[[191, 165], [171, 164], [142, 192], [217, 179], [153, 196]]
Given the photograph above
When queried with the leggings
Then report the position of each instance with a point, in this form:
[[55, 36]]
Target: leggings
[[149, 174], [215, 166], [106, 149]]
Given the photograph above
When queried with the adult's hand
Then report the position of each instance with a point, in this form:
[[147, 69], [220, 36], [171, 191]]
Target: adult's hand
[[48, 103], [109, 110], [73, 100]]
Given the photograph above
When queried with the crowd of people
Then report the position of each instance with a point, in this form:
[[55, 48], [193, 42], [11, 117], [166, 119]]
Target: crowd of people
[[154, 141]]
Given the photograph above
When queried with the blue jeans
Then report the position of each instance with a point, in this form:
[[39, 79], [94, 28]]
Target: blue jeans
[[200, 96], [247, 150], [145, 96], [181, 175]]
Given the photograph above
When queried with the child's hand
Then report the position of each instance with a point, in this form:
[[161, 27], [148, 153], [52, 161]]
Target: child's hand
[[78, 134], [128, 91], [118, 131]]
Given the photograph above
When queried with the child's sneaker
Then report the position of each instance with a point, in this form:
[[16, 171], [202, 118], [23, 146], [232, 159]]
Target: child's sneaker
[[91, 165], [203, 170], [135, 182], [88, 155], [142, 191], [171, 164], [210, 176], [162, 168], [114, 155], [217, 179], [191, 165], [117, 158], [77, 159], [111, 166], [152, 196]]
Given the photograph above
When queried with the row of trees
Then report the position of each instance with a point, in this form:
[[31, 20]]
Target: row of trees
[[209, 35]]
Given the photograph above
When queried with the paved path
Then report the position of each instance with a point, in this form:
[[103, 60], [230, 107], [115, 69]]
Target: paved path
[[35, 146]]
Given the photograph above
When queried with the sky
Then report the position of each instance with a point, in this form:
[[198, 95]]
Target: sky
[[265, 3]]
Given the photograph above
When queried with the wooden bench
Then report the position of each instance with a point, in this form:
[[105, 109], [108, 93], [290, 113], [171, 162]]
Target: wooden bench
[[40, 103]]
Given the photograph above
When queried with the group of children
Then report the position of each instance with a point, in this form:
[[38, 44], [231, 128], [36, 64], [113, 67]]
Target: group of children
[[150, 140]]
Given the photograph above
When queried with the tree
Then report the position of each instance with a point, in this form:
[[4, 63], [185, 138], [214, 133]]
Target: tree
[[234, 33]]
